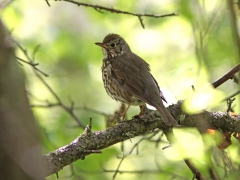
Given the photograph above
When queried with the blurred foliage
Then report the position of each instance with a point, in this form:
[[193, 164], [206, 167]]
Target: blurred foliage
[[192, 49]]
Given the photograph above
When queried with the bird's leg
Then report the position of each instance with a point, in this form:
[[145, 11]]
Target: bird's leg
[[141, 112], [125, 112], [142, 109]]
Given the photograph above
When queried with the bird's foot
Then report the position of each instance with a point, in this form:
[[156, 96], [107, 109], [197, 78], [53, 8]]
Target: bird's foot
[[139, 116]]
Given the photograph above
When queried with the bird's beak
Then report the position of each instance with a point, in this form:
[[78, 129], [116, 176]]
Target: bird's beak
[[99, 44]]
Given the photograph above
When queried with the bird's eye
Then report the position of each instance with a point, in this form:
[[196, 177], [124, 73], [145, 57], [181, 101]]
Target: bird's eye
[[112, 45]]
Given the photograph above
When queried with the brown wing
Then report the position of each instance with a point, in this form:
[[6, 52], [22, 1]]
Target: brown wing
[[135, 74]]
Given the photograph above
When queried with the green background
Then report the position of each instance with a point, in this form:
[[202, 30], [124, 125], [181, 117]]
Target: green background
[[192, 49]]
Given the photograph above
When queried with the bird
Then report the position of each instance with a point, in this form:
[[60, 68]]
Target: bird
[[127, 77]]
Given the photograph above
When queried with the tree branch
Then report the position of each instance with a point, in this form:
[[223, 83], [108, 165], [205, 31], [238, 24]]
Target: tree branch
[[88, 143], [112, 10], [227, 76], [30, 62]]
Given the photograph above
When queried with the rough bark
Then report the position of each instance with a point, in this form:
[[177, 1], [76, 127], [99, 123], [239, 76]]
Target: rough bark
[[91, 142]]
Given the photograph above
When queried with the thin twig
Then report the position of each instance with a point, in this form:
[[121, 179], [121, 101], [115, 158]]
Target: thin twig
[[226, 76], [173, 139], [176, 176], [231, 96], [19, 63], [130, 152], [112, 10], [49, 105], [92, 110], [48, 3], [59, 102], [133, 172], [29, 59], [32, 64], [213, 174], [229, 103], [141, 21], [44, 105]]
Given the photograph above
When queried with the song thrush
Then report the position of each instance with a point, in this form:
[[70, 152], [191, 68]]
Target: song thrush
[[127, 77]]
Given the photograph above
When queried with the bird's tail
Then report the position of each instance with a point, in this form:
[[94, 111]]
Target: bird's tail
[[167, 117]]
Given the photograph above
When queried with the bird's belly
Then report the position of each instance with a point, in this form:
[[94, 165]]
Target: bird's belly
[[116, 90]]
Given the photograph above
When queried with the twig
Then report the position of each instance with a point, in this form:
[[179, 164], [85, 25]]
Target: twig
[[173, 139], [59, 102], [112, 10], [158, 140], [196, 173], [29, 59], [231, 96], [90, 124], [141, 21], [49, 105], [229, 103], [45, 105], [132, 172], [130, 152], [227, 76], [32, 64], [69, 110], [225, 164], [98, 10], [176, 176], [193, 88], [88, 129], [213, 174], [48, 3], [119, 164], [92, 110]]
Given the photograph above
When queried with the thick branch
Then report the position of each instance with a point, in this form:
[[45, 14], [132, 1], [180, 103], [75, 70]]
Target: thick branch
[[88, 142]]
